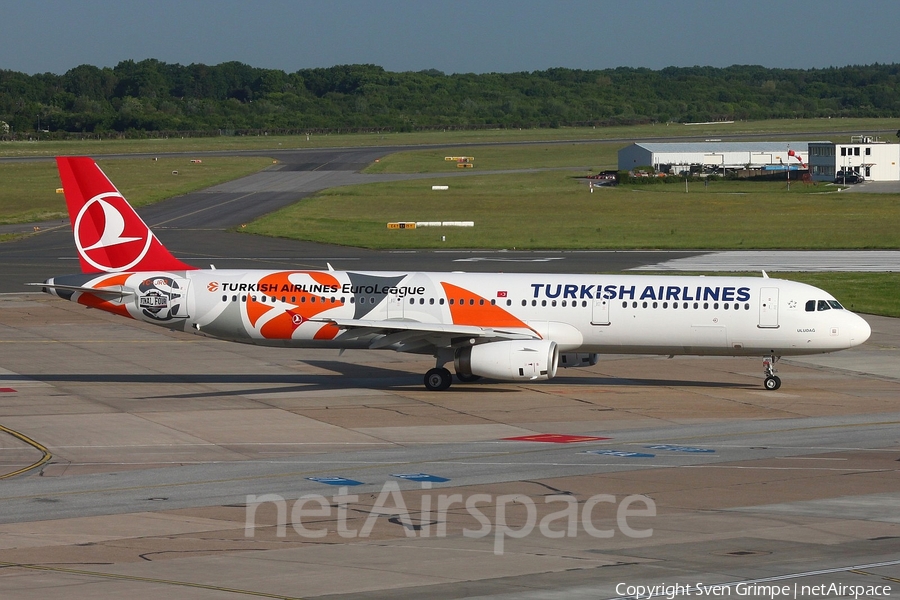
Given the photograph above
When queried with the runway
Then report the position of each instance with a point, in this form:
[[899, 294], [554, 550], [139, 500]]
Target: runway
[[171, 455]]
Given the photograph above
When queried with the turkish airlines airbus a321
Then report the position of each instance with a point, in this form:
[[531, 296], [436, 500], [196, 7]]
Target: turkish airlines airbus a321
[[512, 327]]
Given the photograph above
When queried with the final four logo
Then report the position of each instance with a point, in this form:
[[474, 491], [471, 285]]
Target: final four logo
[[160, 298]]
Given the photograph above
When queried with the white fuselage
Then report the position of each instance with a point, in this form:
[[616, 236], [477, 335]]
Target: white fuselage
[[643, 314]]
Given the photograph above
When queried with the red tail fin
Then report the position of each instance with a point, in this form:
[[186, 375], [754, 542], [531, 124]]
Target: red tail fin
[[109, 234]]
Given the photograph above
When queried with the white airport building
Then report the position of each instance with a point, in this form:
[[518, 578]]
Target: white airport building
[[679, 157], [864, 155]]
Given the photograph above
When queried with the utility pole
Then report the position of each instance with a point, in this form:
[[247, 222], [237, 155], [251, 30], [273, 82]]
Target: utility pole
[[789, 168]]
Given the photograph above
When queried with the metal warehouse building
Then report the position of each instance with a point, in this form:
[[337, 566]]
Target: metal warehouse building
[[864, 155], [679, 157]]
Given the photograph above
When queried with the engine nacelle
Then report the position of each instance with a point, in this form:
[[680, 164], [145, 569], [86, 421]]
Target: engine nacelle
[[509, 361], [568, 360]]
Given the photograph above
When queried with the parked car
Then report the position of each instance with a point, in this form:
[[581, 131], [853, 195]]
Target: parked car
[[605, 178], [848, 177]]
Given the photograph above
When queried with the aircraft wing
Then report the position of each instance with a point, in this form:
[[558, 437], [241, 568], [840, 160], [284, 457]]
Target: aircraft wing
[[412, 336]]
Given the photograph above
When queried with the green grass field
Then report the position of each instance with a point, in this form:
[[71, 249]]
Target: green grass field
[[28, 193], [555, 210]]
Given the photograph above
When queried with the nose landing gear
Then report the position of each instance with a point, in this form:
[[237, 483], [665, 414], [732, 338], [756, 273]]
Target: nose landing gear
[[772, 381]]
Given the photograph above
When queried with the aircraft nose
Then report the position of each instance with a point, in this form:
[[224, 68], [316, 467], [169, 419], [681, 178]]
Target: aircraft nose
[[860, 330]]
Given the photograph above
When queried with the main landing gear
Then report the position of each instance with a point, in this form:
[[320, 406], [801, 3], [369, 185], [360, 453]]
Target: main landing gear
[[773, 381], [439, 378]]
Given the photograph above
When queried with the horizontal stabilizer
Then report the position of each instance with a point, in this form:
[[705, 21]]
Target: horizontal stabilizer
[[112, 292]]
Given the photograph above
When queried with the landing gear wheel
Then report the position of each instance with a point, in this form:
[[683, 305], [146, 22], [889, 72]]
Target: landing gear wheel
[[467, 378], [773, 381], [438, 379]]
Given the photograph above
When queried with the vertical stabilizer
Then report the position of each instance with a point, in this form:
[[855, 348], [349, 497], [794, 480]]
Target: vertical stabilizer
[[109, 234]]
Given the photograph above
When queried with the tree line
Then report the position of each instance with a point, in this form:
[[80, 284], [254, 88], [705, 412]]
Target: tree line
[[149, 97]]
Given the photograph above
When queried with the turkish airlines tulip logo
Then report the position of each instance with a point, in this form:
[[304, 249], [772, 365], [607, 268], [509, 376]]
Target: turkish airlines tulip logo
[[104, 238]]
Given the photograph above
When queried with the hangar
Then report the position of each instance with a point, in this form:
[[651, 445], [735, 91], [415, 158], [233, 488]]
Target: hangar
[[864, 155], [712, 155]]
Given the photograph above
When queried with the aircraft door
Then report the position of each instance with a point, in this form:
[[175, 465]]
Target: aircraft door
[[163, 298], [394, 306], [600, 314], [768, 308]]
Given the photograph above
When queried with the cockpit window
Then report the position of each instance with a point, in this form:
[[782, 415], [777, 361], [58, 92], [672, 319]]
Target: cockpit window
[[814, 305]]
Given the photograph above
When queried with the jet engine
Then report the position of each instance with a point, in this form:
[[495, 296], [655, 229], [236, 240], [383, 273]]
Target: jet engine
[[509, 361]]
